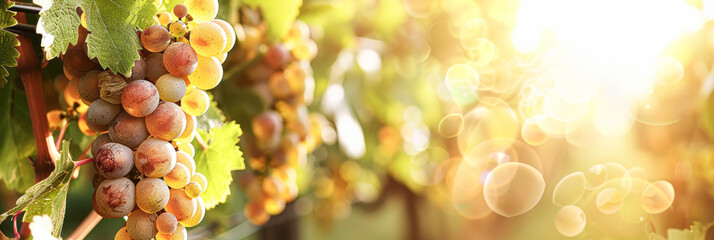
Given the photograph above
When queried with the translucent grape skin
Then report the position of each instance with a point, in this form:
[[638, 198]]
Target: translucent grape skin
[[155, 157], [200, 179], [122, 234], [179, 234], [167, 223], [114, 198], [113, 160], [155, 38], [138, 71], [193, 189], [191, 124], [267, 128], [202, 10], [180, 59], [141, 225], [230, 34], [208, 39], [100, 114], [152, 194], [155, 66], [185, 159], [178, 177], [171, 88], [164, 18], [180, 205], [186, 147], [88, 87], [177, 29], [195, 102], [140, 98], [208, 74], [83, 127], [167, 122], [180, 10], [128, 130], [198, 215]]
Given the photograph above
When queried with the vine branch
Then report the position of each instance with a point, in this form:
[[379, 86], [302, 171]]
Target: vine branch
[[86, 226]]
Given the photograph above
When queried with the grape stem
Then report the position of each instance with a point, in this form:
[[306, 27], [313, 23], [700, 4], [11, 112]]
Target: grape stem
[[61, 135], [82, 162], [201, 142], [86, 226], [14, 225]]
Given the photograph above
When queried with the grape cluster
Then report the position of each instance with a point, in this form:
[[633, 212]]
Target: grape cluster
[[284, 132], [143, 156]]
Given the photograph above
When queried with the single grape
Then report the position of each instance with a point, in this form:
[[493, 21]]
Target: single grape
[[166, 223], [277, 56], [77, 58], [122, 234], [61, 82], [100, 114], [198, 215], [140, 98], [141, 225], [138, 71], [56, 119], [155, 157], [114, 198], [155, 38], [193, 189], [200, 179], [167, 122], [273, 185], [178, 177], [177, 29], [155, 66], [267, 128], [164, 18], [99, 141], [202, 10], [186, 147], [88, 86], [279, 86], [273, 205], [180, 205], [180, 10], [152, 194], [208, 39], [171, 88], [208, 73], [180, 59], [179, 234], [230, 34], [128, 130], [255, 213], [113, 160], [195, 102], [189, 133], [185, 159]]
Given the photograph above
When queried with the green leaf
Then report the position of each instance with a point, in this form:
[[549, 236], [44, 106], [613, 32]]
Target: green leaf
[[212, 118], [8, 41], [113, 25], [16, 139], [278, 14], [216, 162], [58, 25], [48, 197]]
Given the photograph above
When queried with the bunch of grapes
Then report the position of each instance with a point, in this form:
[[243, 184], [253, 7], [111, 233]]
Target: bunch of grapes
[[143, 156], [285, 132]]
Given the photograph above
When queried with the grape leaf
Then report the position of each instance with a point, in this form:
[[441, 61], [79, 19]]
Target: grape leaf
[[48, 197], [8, 42], [113, 25], [278, 14], [212, 118], [58, 25], [16, 139], [216, 162]]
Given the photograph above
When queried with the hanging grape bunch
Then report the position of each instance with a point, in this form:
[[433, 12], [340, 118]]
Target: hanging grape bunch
[[285, 131], [143, 156]]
